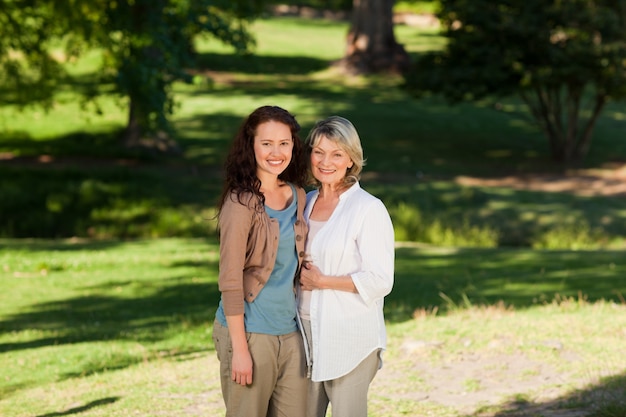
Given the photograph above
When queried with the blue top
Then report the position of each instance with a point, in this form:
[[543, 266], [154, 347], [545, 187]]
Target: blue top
[[274, 310]]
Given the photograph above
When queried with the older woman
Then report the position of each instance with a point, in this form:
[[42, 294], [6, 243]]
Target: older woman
[[350, 250]]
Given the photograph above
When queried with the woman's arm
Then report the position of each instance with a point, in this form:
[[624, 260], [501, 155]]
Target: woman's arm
[[235, 223], [375, 241], [311, 278], [241, 370]]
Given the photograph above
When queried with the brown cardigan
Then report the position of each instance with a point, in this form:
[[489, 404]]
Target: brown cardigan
[[248, 248]]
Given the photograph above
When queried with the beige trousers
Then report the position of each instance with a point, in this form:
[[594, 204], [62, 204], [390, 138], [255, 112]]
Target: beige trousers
[[347, 395], [279, 383]]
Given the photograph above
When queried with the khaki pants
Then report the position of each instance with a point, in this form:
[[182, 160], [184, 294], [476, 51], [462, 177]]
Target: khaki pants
[[347, 395], [279, 383]]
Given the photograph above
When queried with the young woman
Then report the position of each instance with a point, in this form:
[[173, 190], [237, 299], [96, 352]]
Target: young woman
[[262, 233], [349, 271]]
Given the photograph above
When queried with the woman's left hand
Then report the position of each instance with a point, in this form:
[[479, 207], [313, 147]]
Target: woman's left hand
[[310, 277]]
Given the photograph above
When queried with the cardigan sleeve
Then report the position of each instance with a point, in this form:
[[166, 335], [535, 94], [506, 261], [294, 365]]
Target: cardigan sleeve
[[235, 222], [375, 240]]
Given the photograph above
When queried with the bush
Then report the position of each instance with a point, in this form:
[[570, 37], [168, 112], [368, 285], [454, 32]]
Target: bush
[[411, 225], [104, 204], [576, 235]]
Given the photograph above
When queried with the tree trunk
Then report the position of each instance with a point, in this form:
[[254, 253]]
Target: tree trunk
[[371, 43], [585, 139], [569, 138], [133, 136]]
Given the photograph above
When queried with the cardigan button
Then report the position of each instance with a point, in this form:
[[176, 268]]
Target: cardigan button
[[299, 238], [301, 254]]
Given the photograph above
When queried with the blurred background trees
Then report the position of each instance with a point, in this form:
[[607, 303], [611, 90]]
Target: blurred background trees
[[147, 45], [178, 75], [564, 59]]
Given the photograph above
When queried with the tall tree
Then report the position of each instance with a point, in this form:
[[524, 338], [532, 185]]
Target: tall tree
[[371, 42], [564, 59], [147, 45]]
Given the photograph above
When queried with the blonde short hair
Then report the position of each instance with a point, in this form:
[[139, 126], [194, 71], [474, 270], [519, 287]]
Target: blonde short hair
[[342, 132]]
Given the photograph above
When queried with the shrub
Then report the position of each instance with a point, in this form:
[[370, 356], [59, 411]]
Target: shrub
[[411, 225], [576, 235]]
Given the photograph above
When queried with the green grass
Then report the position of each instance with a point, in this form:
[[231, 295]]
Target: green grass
[[415, 6], [114, 328], [95, 188]]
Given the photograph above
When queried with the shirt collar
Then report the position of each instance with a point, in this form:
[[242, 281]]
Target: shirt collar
[[353, 188]]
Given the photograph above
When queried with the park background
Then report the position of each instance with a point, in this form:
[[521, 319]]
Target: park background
[[510, 266]]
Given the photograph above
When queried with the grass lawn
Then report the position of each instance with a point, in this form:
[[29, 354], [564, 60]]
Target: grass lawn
[[114, 328], [507, 302], [85, 185]]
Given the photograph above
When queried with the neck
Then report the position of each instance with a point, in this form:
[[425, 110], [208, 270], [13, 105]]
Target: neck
[[331, 190], [269, 182]]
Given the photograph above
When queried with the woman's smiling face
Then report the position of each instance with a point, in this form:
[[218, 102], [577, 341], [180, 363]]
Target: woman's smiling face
[[329, 162], [273, 146]]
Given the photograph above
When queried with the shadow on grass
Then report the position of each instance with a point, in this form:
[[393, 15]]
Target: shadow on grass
[[519, 216], [110, 202], [95, 149], [103, 317], [98, 326], [80, 409], [151, 318], [607, 398], [260, 64], [428, 278]]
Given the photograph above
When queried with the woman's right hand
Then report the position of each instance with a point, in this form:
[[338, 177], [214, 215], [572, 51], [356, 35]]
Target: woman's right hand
[[242, 367]]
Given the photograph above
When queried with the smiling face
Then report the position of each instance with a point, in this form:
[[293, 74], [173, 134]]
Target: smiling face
[[273, 146], [329, 162]]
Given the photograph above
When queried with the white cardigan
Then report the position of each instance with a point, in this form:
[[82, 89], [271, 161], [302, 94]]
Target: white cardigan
[[357, 240]]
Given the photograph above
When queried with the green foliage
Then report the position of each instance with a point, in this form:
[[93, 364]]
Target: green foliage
[[416, 6], [576, 235], [320, 4], [146, 46], [410, 225], [26, 40], [447, 214], [415, 150], [566, 60], [104, 204]]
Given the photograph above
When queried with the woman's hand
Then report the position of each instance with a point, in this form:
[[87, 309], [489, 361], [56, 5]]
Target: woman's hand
[[242, 367], [310, 277]]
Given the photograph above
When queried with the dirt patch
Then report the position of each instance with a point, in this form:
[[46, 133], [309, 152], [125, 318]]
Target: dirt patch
[[600, 182], [470, 381]]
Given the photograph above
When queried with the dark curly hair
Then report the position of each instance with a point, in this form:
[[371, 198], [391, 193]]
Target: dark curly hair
[[240, 166]]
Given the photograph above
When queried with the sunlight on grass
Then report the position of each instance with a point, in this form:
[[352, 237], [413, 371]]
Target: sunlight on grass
[[116, 327], [132, 321]]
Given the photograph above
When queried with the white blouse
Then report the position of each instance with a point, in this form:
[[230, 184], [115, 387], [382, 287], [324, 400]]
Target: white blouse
[[357, 240], [304, 299]]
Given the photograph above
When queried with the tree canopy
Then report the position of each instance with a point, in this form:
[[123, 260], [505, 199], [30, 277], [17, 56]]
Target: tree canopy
[[565, 59], [147, 45]]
